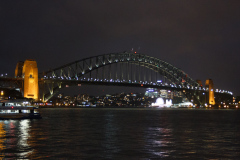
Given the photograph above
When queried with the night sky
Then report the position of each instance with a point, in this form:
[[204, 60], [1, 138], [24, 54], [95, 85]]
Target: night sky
[[202, 37]]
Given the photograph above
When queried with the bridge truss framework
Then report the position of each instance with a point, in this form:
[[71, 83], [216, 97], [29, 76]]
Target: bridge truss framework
[[118, 69]]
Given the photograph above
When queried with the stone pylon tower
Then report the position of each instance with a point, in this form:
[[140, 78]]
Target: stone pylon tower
[[209, 85], [30, 76], [18, 70]]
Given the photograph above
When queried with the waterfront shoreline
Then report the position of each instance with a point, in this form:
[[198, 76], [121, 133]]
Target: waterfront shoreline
[[130, 107]]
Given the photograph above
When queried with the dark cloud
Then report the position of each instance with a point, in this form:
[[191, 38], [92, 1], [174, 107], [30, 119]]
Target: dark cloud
[[201, 37]]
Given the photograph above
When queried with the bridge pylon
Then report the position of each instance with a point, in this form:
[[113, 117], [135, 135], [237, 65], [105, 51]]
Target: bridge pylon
[[210, 87], [29, 74], [19, 69]]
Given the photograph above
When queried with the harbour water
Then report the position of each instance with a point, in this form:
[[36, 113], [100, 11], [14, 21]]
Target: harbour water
[[108, 133]]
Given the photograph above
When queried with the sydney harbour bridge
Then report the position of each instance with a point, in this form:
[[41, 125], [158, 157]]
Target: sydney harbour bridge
[[113, 69]]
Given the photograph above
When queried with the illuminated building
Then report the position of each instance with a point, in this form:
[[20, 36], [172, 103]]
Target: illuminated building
[[2, 95], [152, 92], [209, 86], [30, 75], [166, 94]]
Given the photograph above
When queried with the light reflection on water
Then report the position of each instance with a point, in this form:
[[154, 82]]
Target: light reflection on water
[[110, 136], [2, 139], [123, 134], [14, 136], [158, 139], [22, 144]]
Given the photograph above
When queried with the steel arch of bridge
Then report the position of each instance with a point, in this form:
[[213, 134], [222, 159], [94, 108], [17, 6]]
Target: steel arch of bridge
[[77, 71]]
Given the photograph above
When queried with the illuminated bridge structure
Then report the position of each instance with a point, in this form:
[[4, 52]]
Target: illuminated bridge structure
[[121, 69]]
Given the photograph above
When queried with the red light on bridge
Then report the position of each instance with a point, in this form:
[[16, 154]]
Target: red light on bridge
[[141, 85]]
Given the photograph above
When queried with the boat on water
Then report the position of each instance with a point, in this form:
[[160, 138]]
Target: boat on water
[[18, 109]]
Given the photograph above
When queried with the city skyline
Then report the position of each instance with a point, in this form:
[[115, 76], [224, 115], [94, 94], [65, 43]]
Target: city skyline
[[200, 37]]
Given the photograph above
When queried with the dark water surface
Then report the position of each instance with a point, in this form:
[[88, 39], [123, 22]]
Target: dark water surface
[[123, 134]]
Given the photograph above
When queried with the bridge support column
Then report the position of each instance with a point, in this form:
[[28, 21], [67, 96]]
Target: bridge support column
[[19, 69], [30, 75], [209, 85], [18, 73]]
